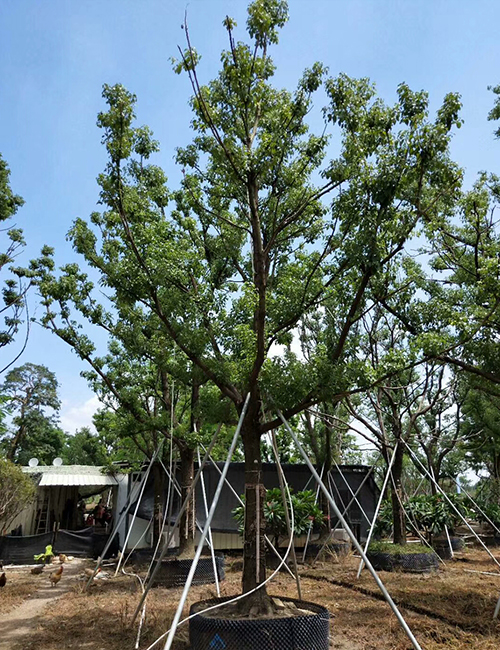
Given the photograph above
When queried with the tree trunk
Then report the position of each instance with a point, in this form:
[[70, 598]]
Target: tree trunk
[[397, 498], [187, 524], [254, 549], [324, 503], [159, 482], [16, 440]]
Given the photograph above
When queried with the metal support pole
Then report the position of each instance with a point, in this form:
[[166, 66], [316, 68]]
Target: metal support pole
[[179, 515], [167, 510], [368, 474], [205, 504], [199, 548], [477, 506], [355, 542], [281, 479], [129, 531], [497, 607], [454, 507], [375, 515], [345, 509], [242, 503], [118, 524], [369, 521]]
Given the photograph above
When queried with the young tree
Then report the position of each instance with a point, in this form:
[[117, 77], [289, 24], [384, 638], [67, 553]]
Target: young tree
[[392, 414], [264, 231], [440, 432]]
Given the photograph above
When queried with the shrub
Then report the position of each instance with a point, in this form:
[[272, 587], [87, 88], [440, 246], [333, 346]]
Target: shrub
[[397, 549], [17, 490], [305, 509]]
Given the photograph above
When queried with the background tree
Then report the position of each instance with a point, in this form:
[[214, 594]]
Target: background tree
[[85, 448], [391, 413], [481, 424], [17, 490], [440, 432], [250, 245], [144, 405], [33, 431], [14, 290]]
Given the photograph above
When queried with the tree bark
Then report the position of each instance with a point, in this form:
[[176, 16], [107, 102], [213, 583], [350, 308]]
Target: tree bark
[[187, 524], [254, 549], [159, 483], [16, 441]]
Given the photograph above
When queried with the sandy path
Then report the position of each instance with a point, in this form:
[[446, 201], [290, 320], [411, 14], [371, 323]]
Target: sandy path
[[17, 624]]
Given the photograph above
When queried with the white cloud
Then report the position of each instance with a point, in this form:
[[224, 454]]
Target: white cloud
[[76, 415]]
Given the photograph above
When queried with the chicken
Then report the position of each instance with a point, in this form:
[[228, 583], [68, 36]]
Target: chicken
[[56, 575], [90, 572], [62, 558], [3, 579], [36, 570]]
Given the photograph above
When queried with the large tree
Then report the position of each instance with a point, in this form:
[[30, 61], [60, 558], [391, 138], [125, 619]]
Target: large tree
[[14, 290], [265, 230], [31, 393], [392, 413]]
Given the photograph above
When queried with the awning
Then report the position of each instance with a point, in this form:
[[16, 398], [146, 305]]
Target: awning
[[76, 479], [70, 475]]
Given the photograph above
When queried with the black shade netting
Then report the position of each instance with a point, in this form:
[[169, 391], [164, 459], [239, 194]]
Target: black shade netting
[[75, 542], [307, 630], [297, 476], [84, 543], [174, 572], [21, 550]]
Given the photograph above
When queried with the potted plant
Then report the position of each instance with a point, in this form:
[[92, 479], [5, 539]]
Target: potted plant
[[306, 513], [411, 558], [435, 516]]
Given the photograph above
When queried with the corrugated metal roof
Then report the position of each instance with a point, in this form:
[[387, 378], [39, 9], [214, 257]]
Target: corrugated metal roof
[[76, 479], [70, 475]]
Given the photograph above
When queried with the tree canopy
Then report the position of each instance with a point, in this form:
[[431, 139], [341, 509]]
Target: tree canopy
[[29, 391], [13, 290], [267, 231]]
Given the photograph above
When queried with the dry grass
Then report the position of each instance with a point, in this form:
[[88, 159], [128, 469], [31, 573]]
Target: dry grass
[[21, 584], [455, 609], [450, 609]]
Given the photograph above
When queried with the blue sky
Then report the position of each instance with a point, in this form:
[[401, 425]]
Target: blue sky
[[55, 56]]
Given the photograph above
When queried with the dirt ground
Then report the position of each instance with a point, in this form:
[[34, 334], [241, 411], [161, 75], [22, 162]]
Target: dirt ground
[[26, 597], [451, 609]]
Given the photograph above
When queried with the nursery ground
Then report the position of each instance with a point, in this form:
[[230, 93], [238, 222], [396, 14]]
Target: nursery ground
[[450, 609]]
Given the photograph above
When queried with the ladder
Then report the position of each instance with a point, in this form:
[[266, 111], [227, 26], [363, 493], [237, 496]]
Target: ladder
[[43, 519]]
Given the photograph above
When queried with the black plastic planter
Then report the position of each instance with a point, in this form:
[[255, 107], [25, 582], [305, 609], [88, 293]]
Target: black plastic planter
[[174, 572], [302, 632], [340, 548], [408, 562], [443, 550], [457, 543], [442, 547]]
